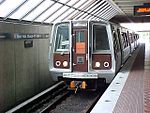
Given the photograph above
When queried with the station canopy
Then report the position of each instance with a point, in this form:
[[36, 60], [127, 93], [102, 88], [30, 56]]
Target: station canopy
[[48, 11]]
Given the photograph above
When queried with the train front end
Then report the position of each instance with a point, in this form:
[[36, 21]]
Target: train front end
[[81, 54]]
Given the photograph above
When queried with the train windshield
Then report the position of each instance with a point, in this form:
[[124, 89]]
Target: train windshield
[[62, 37], [100, 38]]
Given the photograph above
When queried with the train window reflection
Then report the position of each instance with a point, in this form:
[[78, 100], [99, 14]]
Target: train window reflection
[[100, 38], [62, 37], [80, 36]]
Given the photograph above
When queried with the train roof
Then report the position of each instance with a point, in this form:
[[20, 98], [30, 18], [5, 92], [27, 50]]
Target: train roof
[[80, 21]]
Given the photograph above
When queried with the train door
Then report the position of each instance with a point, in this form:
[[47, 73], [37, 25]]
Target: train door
[[79, 53], [117, 50]]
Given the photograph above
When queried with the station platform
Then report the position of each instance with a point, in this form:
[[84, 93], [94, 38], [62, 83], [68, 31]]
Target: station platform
[[129, 92]]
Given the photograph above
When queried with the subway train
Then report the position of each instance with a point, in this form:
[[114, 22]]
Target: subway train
[[86, 54]]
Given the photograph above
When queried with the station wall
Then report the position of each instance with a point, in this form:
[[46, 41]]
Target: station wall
[[23, 62]]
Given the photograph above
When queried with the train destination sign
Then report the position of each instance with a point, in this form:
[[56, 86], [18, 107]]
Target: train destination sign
[[141, 10]]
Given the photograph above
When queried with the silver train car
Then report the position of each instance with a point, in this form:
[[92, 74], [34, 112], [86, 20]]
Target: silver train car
[[86, 54]]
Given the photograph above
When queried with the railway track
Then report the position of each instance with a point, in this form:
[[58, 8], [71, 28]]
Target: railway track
[[60, 100], [43, 101], [81, 102]]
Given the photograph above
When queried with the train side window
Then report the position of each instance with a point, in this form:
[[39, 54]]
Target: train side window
[[125, 41], [116, 43], [62, 38], [100, 38], [119, 38], [130, 38]]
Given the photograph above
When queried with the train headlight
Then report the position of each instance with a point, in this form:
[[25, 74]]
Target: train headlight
[[65, 63], [106, 64], [57, 63], [97, 64]]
